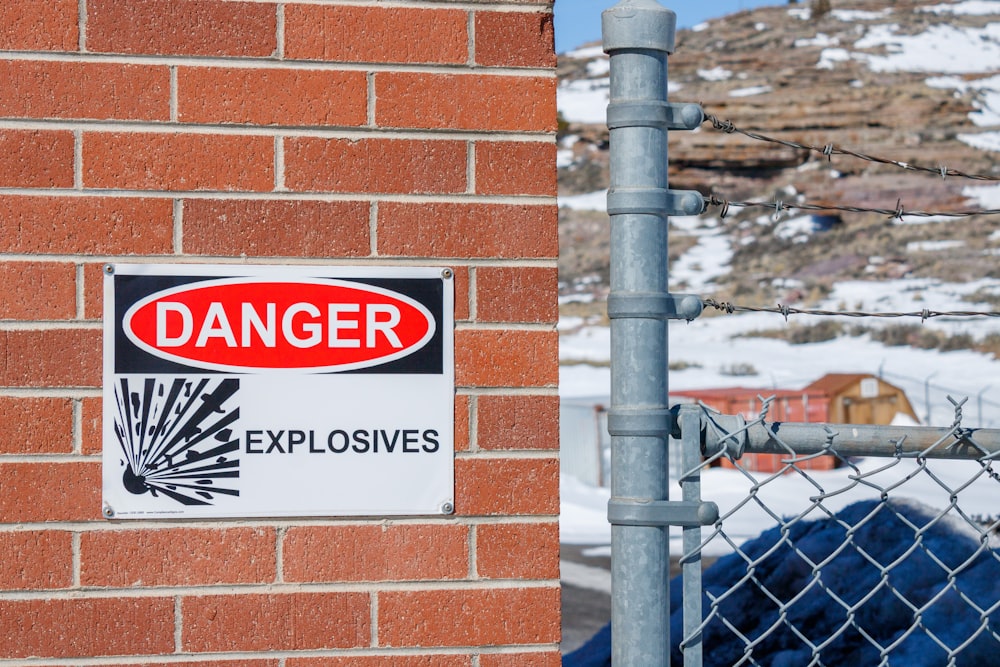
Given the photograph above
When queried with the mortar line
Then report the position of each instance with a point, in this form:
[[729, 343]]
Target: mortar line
[[78, 159], [80, 292], [81, 9], [279, 37]]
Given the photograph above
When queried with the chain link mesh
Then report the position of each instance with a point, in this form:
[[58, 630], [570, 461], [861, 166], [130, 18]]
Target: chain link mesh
[[884, 557]]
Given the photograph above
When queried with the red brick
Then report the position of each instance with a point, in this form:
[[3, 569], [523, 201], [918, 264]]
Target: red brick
[[498, 231], [384, 661], [493, 358], [516, 168], [518, 422], [36, 559], [469, 617], [201, 663], [491, 487], [91, 417], [36, 159], [86, 627], [152, 161], [518, 551], [93, 291], [39, 25], [36, 492], [102, 91], [177, 557], [548, 659], [36, 425], [377, 553], [515, 39], [37, 291], [461, 293], [375, 165], [275, 622], [192, 27], [462, 423], [376, 34], [517, 294], [51, 358], [271, 96], [85, 225], [273, 228], [465, 101]]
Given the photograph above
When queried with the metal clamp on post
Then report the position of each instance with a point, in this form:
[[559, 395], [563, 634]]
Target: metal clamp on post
[[661, 513], [654, 201], [647, 422], [666, 115], [656, 306]]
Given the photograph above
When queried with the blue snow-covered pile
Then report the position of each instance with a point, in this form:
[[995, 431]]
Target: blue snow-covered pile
[[880, 537]]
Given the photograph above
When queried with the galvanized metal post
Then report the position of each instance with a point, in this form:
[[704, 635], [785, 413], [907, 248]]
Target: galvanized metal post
[[638, 35]]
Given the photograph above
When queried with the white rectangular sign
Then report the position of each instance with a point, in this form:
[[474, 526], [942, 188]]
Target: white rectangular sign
[[250, 391]]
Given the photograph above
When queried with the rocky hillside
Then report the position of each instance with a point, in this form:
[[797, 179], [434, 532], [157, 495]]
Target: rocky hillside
[[917, 81]]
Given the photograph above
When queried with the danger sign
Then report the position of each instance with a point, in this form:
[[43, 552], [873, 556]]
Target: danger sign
[[236, 391]]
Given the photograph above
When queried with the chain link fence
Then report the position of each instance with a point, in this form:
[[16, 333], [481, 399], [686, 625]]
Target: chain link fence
[[890, 558]]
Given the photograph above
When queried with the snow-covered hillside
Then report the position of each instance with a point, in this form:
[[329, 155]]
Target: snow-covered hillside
[[924, 49]]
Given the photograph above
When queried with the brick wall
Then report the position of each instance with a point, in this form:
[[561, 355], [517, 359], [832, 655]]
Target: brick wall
[[310, 132]]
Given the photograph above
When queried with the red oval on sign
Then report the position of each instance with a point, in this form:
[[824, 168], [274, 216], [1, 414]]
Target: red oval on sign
[[247, 324]]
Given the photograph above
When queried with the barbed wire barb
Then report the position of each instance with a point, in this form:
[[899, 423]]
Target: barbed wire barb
[[829, 150]]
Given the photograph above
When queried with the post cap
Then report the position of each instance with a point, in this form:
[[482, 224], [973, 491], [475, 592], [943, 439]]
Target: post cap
[[638, 24]]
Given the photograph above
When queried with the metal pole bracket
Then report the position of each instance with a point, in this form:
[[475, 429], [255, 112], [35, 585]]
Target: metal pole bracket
[[662, 513], [654, 201], [646, 422], [650, 305], [666, 115]]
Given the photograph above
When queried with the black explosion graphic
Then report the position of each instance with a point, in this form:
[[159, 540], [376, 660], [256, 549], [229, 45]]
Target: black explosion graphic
[[176, 437]]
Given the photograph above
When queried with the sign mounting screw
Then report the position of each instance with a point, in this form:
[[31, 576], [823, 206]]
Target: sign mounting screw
[[109, 269], [109, 512], [447, 508], [447, 274]]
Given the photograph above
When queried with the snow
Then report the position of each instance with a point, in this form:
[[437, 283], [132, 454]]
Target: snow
[[599, 67], [931, 246], [821, 39], [584, 100], [587, 52], [968, 8], [591, 201], [941, 49], [852, 15], [987, 141], [750, 92], [715, 74], [986, 196], [829, 57]]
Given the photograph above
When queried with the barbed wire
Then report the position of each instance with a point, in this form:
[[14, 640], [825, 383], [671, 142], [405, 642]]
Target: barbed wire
[[830, 150], [785, 311], [892, 213]]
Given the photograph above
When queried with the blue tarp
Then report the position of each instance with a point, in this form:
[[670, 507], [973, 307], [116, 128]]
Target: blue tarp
[[898, 549]]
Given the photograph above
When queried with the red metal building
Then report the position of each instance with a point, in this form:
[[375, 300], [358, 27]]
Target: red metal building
[[836, 398]]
